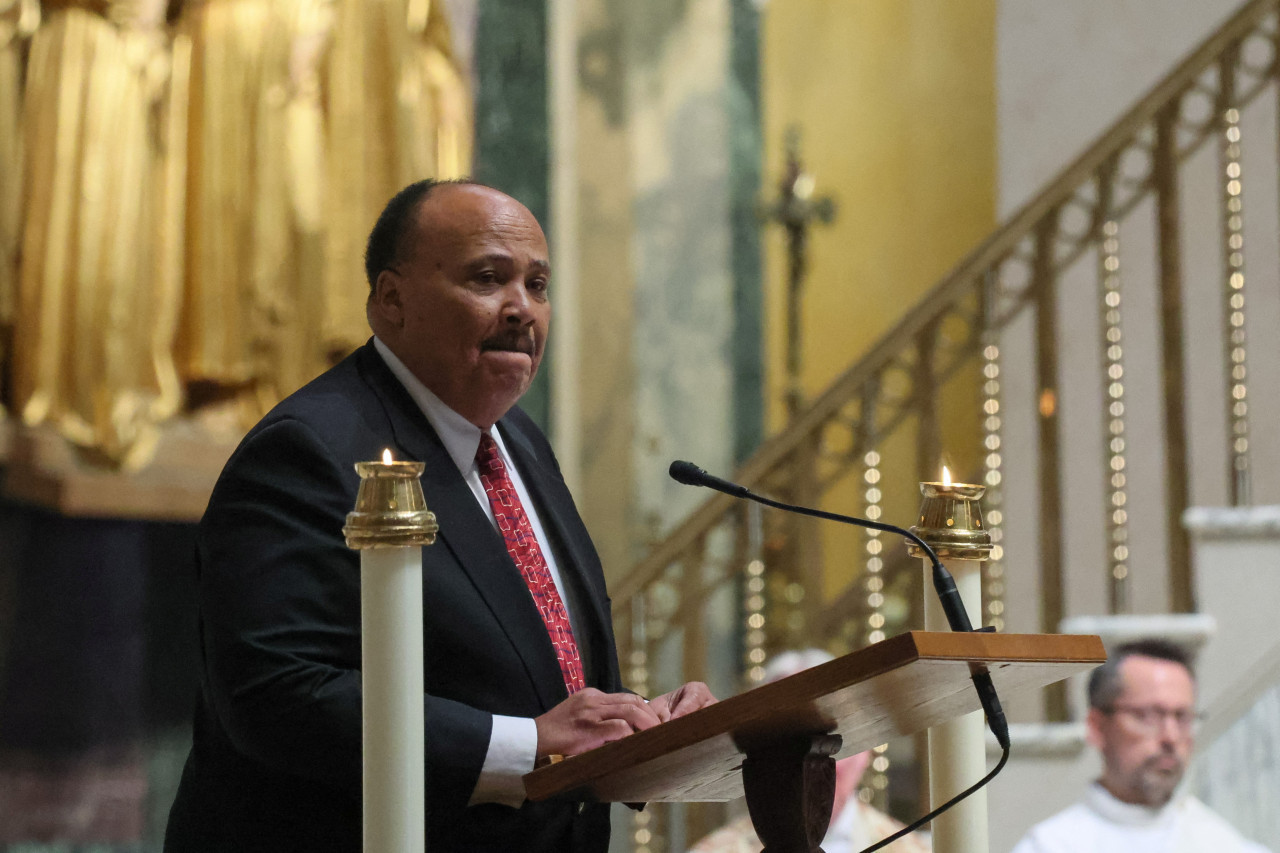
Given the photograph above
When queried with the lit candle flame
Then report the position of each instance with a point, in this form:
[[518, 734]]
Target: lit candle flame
[[386, 456], [946, 476]]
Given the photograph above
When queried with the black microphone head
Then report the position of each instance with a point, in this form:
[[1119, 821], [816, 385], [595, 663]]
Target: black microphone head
[[687, 473]]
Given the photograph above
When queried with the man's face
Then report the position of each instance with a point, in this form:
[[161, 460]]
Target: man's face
[[1146, 737], [467, 308]]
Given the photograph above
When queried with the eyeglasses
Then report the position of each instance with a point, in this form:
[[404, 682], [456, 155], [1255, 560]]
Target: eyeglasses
[[1150, 718]]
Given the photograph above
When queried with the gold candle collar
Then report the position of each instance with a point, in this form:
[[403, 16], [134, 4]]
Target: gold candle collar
[[390, 510], [951, 522]]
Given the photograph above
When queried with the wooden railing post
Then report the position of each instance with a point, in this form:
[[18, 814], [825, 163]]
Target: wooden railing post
[[928, 431], [693, 588], [1044, 285], [1164, 176], [808, 549]]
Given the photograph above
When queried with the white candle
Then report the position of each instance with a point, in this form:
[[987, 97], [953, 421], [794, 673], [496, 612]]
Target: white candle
[[394, 737], [389, 526], [958, 748]]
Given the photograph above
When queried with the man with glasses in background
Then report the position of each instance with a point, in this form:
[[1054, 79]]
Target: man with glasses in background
[[1142, 721]]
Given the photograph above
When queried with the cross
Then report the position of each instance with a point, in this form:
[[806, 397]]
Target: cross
[[796, 210]]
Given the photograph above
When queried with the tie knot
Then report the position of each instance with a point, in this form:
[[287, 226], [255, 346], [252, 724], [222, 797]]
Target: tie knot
[[487, 457]]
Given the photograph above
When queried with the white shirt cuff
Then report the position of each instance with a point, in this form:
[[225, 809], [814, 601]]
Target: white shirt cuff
[[513, 747]]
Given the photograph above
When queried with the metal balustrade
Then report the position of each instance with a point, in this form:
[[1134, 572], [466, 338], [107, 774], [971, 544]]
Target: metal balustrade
[[1110, 232]]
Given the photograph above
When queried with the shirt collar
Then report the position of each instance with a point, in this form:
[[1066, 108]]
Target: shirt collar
[[1117, 811], [460, 437]]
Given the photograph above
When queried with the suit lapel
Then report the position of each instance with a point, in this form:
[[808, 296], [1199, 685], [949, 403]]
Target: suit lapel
[[467, 532]]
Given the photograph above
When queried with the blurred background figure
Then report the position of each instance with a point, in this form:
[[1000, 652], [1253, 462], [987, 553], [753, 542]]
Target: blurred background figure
[[854, 824], [307, 115], [18, 20], [98, 287], [1142, 715]]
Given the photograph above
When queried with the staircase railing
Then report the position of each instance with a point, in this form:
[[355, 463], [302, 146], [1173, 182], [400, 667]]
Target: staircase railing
[[1163, 190], [1241, 730]]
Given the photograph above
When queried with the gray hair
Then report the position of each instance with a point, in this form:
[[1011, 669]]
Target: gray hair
[[1105, 683]]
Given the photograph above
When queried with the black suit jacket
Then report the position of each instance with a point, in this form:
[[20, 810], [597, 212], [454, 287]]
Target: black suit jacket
[[275, 762]]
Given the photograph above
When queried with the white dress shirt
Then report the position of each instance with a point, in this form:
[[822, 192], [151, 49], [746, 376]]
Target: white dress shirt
[[513, 741]]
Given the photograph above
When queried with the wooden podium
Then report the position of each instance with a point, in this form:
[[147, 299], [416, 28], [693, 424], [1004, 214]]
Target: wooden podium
[[777, 743]]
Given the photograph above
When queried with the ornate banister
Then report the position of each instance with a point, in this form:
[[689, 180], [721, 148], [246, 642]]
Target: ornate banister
[[881, 412]]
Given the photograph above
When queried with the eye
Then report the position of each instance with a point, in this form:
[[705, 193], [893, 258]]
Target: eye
[[487, 277], [538, 285]]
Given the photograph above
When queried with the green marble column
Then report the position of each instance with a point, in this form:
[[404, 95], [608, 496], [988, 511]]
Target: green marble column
[[511, 149]]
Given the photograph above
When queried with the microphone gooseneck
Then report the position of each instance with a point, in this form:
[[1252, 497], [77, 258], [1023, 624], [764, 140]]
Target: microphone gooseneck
[[943, 583], [691, 475]]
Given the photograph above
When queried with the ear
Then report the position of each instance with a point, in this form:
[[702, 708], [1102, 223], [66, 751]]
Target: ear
[[1093, 723], [386, 309]]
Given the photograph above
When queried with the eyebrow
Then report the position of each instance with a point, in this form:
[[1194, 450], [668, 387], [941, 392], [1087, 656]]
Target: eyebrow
[[537, 265]]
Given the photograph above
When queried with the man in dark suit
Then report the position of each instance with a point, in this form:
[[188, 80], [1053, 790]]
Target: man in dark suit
[[459, 306]]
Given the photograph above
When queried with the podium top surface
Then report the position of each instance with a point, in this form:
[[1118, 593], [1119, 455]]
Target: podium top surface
[[895, 687]]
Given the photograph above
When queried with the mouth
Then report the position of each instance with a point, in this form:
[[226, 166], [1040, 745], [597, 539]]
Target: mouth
[[521, 342], [1165, 764]]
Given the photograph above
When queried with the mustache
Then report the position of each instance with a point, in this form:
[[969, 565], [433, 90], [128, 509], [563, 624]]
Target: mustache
[[515, 340], [1150, 763]]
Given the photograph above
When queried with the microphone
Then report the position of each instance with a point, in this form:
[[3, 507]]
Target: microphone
[[943, 583], [691, 475]]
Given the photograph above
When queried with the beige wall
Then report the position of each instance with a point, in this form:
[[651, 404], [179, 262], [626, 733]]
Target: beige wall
[[654, 304], [895, 100], [606, 291]]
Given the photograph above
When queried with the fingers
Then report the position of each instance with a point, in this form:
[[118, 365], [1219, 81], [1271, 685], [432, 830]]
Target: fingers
[[628, 707], [687, 698], [590, 718]]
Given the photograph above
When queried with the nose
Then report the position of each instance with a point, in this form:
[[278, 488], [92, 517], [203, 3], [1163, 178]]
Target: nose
[[517, 305], [1172, 730]]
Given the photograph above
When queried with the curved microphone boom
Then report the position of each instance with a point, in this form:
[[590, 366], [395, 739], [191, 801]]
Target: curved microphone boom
[[945, 585]]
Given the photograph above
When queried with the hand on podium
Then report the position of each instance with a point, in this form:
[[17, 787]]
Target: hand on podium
[[591, 718], [685, 699]]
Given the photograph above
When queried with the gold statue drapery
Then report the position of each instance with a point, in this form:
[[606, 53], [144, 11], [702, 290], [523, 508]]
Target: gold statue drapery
[[18, 20], [438, 136], [202, 239], [392, 66], [307, 116], [103, 125], [255, 233]]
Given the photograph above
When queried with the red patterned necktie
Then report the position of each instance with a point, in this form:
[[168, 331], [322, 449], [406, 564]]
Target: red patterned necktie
[[522, 545]]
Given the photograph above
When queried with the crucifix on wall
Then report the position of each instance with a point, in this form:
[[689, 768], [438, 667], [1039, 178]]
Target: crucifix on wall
[[796, 209]]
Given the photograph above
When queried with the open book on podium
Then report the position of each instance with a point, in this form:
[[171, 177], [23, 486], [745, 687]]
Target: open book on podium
[[896, 687]]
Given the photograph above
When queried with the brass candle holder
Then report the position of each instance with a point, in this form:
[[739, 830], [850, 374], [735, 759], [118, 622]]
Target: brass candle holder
[[951, 522], [390, 510]]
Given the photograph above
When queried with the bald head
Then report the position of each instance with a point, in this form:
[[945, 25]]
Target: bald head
[[460, 279], [391, 232]]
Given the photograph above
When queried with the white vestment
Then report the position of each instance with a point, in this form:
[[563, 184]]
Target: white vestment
[[1102, 824], [858, 825]]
